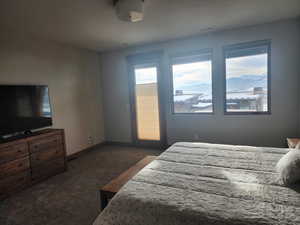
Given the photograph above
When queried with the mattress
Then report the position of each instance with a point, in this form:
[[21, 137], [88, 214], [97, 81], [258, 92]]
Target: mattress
[[207, 184]]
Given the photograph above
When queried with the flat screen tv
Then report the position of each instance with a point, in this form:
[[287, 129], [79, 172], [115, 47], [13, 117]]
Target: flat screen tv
[[24, 108]]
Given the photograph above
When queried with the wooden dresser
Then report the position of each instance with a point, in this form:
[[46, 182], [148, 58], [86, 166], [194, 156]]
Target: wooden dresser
[[28, 160]]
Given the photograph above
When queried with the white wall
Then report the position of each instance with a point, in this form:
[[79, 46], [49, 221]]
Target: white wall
[[73, 76], [263, 130]]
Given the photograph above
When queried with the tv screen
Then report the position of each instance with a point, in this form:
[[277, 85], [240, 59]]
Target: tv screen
[[24, 108]]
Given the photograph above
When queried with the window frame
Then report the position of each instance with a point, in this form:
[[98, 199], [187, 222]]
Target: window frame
[[241, 46], [185, 56]]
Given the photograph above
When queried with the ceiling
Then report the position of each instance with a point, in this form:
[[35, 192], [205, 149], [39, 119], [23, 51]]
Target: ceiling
[[93, 24]]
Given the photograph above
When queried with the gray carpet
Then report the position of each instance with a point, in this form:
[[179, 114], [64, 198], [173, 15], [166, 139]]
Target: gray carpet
[[71, 198]]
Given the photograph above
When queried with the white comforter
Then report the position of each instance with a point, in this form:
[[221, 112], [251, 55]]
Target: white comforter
[[206, 184]]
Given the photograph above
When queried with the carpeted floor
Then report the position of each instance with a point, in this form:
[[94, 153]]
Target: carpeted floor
[[71, 198]]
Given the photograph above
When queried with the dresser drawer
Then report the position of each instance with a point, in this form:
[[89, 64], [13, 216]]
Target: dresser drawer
[[46, 143], [45, 155], [48, 169], [14, 183], [12, 152], [13, 167]]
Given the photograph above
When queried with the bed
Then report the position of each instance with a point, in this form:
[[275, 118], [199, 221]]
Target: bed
[[207, 184]]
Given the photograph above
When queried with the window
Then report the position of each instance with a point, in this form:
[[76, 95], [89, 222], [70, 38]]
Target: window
[[247, 78], [192, 83]]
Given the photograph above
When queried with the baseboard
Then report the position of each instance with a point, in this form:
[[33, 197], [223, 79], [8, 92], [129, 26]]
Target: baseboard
[[85, 151]]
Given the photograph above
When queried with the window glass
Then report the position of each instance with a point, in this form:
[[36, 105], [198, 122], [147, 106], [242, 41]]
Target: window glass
[[192, 84], [247, 79]]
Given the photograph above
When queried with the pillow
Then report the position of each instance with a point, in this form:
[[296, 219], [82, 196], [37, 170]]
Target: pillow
[[293, 142], [288, 167]]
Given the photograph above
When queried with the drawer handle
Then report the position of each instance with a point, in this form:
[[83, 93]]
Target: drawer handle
[[20, 164]]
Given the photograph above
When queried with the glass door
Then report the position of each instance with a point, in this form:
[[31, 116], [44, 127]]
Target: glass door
[[147, 115]]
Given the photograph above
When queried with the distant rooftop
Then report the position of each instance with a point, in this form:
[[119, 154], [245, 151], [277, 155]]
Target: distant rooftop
[[202, 105], [182, 98]]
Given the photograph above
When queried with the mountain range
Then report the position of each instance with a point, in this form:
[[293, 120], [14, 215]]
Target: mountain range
[[240, 83], [246, 82]]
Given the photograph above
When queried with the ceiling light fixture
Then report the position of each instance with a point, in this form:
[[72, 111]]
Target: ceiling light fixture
[[130, 10]]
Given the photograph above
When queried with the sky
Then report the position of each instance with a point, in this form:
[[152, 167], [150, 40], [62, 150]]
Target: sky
[[145, 75], [200, 72], [247, 65], [192, 72]]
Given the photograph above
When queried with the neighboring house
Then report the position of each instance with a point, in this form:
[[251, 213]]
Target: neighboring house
[[253, 100], [250, 100], [186, 103]]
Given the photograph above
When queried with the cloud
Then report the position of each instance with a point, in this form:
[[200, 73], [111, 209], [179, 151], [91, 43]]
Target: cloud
[[200, 72], [192, 72], [146, 75], [247, 65]]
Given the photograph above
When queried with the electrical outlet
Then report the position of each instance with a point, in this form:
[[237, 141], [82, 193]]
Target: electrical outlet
[[90, 140]]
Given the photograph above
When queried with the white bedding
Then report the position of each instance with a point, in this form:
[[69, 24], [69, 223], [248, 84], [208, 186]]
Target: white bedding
[[207, 184]]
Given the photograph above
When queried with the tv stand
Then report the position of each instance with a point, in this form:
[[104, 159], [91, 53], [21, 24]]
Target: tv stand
[[28, 159], [28, 132]]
